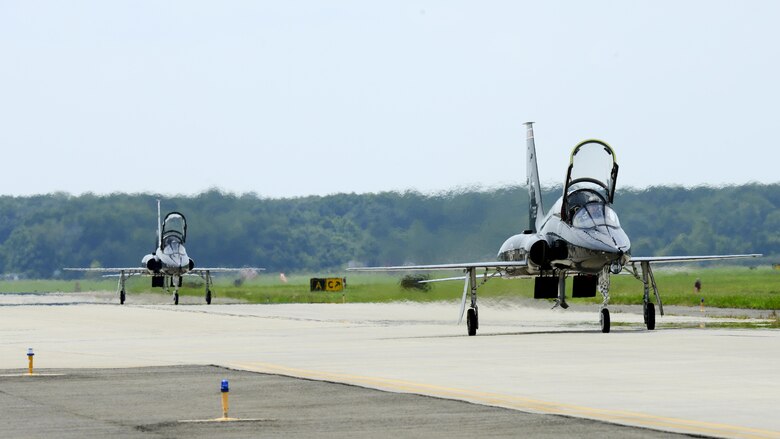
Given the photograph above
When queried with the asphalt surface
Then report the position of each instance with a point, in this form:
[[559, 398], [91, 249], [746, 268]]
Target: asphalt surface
[[688, 376], [174, 401]]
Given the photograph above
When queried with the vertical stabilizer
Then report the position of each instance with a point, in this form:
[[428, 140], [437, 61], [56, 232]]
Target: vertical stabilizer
[[535, 207], [159, 226]]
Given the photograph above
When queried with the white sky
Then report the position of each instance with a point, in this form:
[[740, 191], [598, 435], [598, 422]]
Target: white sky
[[288, 98]]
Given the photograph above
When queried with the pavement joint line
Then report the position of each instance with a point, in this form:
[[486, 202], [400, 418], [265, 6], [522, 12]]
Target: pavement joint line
[[518, 402]]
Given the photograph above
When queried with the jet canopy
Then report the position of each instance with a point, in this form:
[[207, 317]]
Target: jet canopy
[[590, 178], [174, 226]]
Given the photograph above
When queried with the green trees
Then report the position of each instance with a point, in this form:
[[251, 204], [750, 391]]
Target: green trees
[[41, 234]]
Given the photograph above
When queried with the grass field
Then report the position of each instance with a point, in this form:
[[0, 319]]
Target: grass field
[[735, 287]]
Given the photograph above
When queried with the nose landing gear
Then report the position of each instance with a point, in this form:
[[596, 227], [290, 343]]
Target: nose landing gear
[[604, 320], [604, 289]]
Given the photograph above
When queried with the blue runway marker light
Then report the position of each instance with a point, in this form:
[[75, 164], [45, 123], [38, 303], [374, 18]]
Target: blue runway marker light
[[224, 388]]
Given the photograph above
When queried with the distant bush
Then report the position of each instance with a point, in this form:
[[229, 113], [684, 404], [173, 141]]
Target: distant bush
[[412, 282]]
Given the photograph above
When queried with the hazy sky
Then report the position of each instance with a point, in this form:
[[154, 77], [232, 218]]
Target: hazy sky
[[288, 98]]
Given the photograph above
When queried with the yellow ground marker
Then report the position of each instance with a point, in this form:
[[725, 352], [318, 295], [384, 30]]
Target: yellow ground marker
[[224, 389], [519, 403], [30, 355], [30, 373]]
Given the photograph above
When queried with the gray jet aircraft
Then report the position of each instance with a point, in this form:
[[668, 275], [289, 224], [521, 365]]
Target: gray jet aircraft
[[169, 262], [580, 236]]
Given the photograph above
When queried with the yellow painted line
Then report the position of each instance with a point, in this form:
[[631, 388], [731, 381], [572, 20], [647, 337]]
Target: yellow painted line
[[201, 421], [33, 375], [520, 403]]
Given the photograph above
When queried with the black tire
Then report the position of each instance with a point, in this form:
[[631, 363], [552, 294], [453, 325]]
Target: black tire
[[208, 297], [650, 316], [175, 298], [122, 297], [604, 320], [472, 322]]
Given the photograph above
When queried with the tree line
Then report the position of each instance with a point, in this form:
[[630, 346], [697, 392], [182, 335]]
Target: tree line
[[39, 235]]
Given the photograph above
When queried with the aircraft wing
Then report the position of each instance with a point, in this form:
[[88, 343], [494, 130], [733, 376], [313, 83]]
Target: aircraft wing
[[127, 270], [672, 259], [226, 270], [464, 266], [132, 271], [202, 271]]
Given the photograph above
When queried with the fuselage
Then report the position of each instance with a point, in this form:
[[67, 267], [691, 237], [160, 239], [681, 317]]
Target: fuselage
[[169, 259], [591, 240]]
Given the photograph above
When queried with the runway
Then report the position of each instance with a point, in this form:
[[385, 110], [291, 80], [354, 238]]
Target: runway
[[684, 377]]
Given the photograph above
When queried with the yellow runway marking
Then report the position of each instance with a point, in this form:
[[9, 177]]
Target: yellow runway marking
[[520, 403], [200, 421], [34, 374]]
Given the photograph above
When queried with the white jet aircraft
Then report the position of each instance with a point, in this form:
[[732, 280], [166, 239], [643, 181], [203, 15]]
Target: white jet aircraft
[[580, 236], [169, 262]]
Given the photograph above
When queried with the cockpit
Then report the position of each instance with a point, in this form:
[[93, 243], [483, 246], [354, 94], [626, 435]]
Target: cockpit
[[174, 229], [594, 215], [590, 186]]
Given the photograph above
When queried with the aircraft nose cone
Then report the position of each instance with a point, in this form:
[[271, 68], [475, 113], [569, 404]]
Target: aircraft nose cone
[[610, 241], [621, 241]]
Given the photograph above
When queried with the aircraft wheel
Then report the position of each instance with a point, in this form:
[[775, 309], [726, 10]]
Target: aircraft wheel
[[208, 297], [472, 321], [650, 316], [604, 320], [175, 298], [122, 297]]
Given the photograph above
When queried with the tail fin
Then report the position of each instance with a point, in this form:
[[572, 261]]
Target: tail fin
[[159, 226], [535, 207]]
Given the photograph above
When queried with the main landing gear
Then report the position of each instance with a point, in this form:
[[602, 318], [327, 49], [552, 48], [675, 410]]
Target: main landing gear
[[472, 321], [121, 288], [472, 316], [207, 277], [648, 308], [470, 285], [647, 278]]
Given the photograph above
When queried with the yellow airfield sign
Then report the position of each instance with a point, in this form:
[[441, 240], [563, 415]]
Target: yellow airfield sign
[[327, 284]]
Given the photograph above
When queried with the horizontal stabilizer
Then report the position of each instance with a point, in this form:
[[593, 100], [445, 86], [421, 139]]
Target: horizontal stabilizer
[[464, 266], [671, 259]]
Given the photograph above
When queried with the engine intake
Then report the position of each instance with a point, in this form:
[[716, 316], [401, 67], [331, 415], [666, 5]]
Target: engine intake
[[154, 265], [542, 254], [539, 253]]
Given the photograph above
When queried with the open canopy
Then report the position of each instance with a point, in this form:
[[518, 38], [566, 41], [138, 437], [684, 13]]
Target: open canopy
[[591, 177], [174, 226]]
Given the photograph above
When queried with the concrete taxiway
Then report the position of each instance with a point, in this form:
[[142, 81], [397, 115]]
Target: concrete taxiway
[[686, 378]]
